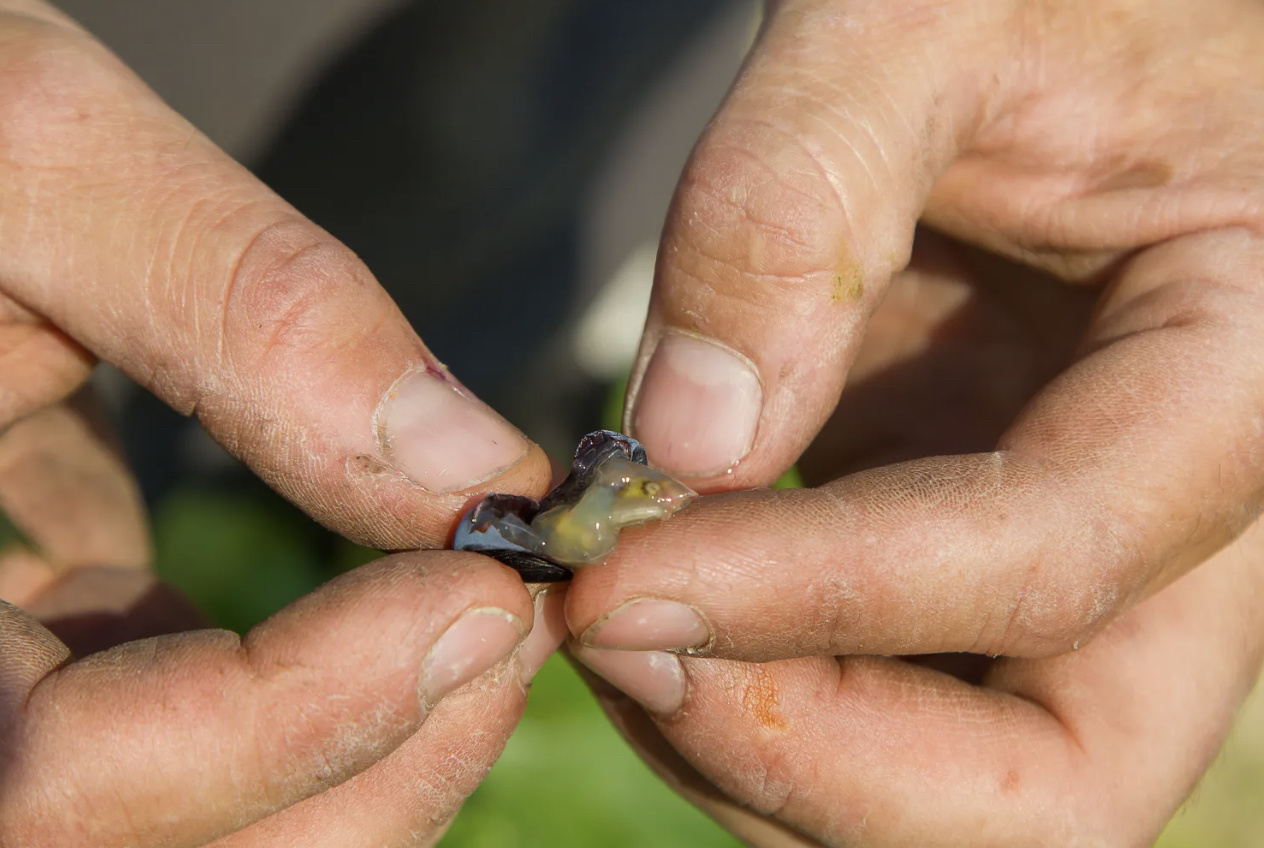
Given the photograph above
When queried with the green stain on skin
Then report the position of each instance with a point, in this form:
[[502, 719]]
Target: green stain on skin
[[849, 285]]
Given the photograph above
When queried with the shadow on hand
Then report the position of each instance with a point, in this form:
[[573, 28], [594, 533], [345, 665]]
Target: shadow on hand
[[92, 609]]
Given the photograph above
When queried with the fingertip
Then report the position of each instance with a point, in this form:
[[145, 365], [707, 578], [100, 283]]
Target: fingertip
[[30, 651], [697, 405], [423, 623]]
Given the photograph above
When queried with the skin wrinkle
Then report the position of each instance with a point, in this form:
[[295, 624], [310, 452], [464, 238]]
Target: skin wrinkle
[[1146, 312], [169, 288], [818, 159], [841, 602], [445, 782], [760, 127], [769, 795], [338, 752], [190, 290], [706, 293], [829, 173], [1035, 607], [349, 749], [774, 294], [790, 282], [701, 183], [861, 121], [784, 232], [275, 318], [439, 791]]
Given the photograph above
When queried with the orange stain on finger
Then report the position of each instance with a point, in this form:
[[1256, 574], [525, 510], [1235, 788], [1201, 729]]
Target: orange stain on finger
[[761, 699]]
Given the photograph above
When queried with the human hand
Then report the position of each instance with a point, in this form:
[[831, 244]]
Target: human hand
[[125, 235], [339, 721], [1070, 383]]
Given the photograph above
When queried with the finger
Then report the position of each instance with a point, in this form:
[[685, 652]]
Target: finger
[[1105, 489], [411, 796], [796, 207], [953, 314], [79, 566], [636, 725], [309, 698], [1095, 747], [63, 485], [39, 364], [93, 608], [144, 243]]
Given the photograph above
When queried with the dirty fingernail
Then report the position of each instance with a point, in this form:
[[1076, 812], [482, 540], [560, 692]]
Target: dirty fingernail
[[698, 406], [478, 640], [442, 438], [646, 624], [653, 679]]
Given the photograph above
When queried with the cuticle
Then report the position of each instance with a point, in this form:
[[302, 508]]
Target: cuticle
[[444, 376], [634, 392], [494, 612], [705, 339]]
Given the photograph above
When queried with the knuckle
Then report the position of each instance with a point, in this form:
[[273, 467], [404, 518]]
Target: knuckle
[[1056, 610], [1045, 621], [287, 292], [768, 786]]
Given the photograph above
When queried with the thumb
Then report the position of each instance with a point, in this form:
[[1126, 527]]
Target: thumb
[[792, 214], [179, 739], [143, 242]]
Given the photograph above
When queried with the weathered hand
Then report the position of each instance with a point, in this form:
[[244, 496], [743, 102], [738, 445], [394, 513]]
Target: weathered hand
[[337, 722], [126, 235], [1068, 377]]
